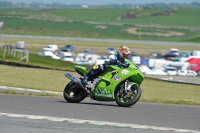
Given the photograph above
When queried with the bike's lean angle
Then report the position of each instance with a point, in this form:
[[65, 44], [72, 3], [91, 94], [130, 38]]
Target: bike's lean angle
[[114, 84]]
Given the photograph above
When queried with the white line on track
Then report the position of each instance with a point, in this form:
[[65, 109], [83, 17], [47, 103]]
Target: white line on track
[[7, 88], [99, 123]]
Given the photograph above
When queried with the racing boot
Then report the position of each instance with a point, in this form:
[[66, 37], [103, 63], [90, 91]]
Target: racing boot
[[84, 80], [90, 75], [86, 83]]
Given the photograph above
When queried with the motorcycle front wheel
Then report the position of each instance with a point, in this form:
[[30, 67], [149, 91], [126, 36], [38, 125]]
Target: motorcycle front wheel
[[73, 93], [129, 98]]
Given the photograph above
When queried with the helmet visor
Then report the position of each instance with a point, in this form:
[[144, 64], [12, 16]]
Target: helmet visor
[[126, 56]]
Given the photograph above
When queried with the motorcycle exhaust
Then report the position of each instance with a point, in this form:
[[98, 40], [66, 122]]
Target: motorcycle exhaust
[[76, 80]]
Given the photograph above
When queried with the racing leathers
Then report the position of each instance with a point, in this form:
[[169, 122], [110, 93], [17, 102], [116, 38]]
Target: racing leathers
[[98, 69]]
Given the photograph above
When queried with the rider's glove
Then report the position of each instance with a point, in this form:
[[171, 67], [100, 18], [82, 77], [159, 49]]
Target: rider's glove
[[111, 62], [116, 62], [125, 65], [119, 63]]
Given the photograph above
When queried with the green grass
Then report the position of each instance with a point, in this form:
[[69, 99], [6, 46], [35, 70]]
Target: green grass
[[195, 39], [180, 17], [164, 92], [44, 61], [68, 29], [101, 15]]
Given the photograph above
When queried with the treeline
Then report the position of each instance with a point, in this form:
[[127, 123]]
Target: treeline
[[40, 5]]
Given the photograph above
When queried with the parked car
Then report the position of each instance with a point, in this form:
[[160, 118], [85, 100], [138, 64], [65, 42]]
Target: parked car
[[51, 47], [185, 54], [156, 71], [68, 48], [175, 51], [110, 51], [135, 58], [66, 56], [187, 73], [49, 54], [153, 57], [170, 70]]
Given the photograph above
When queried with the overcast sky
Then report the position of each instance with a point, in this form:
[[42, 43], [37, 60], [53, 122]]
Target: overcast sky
[[96, 2]]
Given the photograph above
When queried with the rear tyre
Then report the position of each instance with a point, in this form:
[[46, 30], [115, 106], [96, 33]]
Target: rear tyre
[[73, 93], [128, 99]]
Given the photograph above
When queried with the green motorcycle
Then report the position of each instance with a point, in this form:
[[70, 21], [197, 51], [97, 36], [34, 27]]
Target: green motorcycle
[[114, 84]]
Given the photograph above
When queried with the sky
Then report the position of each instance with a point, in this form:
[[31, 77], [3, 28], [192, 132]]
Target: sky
[[102, 2]]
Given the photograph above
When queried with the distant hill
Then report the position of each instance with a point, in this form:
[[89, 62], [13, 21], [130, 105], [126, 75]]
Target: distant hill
[[35, 5]]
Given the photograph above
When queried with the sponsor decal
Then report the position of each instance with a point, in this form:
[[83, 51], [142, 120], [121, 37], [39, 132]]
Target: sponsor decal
[[124, 72], [103, 92], [136, 68], [117, 78]]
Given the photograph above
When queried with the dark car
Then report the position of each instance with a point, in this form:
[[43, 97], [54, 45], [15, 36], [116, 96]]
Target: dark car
[[68, 48]]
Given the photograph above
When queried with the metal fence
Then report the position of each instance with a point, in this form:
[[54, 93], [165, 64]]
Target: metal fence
[[21, 54]]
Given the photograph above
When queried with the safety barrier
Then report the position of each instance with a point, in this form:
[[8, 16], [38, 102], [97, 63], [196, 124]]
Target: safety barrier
[[174, 81]]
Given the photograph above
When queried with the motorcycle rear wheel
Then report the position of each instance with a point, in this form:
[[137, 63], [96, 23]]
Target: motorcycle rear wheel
[[128, 99], [73, 93]]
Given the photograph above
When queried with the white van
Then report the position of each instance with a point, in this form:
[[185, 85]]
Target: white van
[[49, 54], [110, 51], [86, 59], [20, 45], [51, 47], [66, 56], [92, 58], [135, 58], [175, 51]]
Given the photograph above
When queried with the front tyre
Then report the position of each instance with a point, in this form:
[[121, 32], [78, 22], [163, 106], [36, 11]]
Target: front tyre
[[73, 93], [129, 98]]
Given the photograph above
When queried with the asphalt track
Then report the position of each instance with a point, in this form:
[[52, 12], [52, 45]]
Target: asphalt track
[[47, 115]]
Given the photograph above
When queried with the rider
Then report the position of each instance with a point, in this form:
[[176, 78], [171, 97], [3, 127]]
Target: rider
[[118, 60]]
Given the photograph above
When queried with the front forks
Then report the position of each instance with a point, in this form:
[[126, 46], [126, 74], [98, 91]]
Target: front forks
[[128, 85]]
